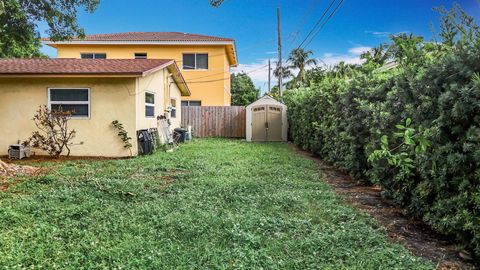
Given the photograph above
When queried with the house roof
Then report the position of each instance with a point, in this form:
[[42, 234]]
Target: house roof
[[89, 67], [151, 38]]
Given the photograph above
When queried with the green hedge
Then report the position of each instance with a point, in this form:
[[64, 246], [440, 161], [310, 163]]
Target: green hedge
[[342, 120]]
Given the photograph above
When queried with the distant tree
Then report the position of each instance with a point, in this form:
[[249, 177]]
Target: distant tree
[[343, 69], [274, 92], [378, 55], [300, 59], [243, 90], [286, 74], [19, 36]]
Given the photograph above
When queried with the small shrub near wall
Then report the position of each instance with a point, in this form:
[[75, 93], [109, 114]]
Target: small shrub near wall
[[344, 118]]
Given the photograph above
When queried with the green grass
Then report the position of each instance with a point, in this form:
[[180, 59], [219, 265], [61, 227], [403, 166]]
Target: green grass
[[213, 204]]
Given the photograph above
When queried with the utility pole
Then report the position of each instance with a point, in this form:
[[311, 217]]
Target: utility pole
[[280, 75], [269, 75]]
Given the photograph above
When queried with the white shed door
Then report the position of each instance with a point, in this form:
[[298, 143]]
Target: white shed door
[[274, 126], [259, 123], [267, 123]]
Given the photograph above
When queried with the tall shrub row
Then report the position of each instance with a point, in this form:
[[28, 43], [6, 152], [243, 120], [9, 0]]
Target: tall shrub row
[[437, 86]]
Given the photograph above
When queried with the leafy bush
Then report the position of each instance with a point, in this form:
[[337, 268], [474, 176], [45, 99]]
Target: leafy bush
[[344, 117], [53, 135]]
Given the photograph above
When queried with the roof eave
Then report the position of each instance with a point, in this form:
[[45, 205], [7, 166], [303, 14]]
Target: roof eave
[[137, 42], [63, 75]]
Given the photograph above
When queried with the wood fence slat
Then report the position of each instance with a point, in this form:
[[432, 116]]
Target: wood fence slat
[[215, 121]]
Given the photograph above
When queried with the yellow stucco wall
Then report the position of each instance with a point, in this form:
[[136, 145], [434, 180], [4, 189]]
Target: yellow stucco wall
[[121, 99], [211, 86], [21, 97]]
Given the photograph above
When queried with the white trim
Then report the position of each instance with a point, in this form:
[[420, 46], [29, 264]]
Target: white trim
[[72, 102], [149, 104], [93, 53], [174, 107], [141, 42], [195, 54]]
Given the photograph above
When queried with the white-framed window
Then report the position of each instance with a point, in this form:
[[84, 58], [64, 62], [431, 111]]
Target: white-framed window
[[173, 110], [74, 100], [149, 104], [191, 103], [93, 55], [195, 61], [140, 55]]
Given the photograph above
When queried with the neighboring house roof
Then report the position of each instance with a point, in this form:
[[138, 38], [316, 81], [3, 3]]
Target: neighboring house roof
[[149, 36], [152, 38], [47, 67], [388, 66]]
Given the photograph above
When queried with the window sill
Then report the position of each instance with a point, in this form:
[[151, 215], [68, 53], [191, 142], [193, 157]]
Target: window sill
[[195, 69]]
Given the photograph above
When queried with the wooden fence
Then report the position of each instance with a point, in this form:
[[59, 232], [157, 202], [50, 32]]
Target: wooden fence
[[215, 121]]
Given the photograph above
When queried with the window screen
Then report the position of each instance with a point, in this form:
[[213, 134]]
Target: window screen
[[173, 112], [75, 101], [195, 61], [191, 103], [202, 61], [140, 55], [93, 56], [189, 61], [149, 105], [195, 103]]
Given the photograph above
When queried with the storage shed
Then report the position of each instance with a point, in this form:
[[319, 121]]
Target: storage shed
[[266, 121]]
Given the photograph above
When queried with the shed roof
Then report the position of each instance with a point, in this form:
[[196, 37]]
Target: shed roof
[[266, 99]]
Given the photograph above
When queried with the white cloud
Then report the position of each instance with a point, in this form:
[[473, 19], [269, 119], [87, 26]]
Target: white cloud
[[359, 50], [379, 33], [258, 70], [331, 59]]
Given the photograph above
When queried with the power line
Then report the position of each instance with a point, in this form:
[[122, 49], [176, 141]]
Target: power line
[[306, 16], [317, 23], [328, 19], [227, 78]]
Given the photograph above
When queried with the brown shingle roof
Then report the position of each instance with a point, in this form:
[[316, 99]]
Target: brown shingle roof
[[59, 66], [150, 36]]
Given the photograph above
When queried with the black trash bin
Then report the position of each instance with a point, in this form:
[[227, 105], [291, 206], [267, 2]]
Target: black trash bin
[[145, 142], [181, 134]]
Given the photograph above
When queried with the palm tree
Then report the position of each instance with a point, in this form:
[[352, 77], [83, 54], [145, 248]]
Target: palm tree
[[378, 55], [286, 73], [300, 59]]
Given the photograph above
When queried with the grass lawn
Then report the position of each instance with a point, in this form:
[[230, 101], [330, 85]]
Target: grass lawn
[[213, 204]]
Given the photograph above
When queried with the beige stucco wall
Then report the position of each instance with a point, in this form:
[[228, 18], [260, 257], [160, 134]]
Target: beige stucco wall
[[211, 86], [164, 88], [111, 99]]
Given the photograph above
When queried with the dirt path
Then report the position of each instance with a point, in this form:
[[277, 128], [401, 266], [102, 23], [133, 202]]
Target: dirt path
[[416, 236]]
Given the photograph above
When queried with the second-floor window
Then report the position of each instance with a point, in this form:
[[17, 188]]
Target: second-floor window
[[140, 55], [195, 61], [93, 56]]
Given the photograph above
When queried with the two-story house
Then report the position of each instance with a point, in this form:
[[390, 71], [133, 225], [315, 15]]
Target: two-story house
[[205, 61]]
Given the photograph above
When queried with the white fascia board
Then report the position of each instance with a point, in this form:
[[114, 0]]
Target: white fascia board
[[93, 42]]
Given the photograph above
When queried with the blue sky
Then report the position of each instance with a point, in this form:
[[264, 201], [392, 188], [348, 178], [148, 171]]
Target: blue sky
[[358, 24]]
